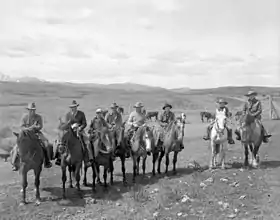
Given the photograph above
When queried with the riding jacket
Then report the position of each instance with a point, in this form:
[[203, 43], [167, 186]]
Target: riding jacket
[[79, 118], [166, 117], [254, 107], [114, 118], [34, 122]]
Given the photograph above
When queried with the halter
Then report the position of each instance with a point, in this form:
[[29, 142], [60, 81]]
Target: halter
[[217, 128]]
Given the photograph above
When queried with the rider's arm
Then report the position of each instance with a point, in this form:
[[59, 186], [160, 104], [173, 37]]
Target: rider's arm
[[258, 110], [23, 122], [130, 119], [172, 118], [65, 123], [83, 121], [39, 125], [245, 108]]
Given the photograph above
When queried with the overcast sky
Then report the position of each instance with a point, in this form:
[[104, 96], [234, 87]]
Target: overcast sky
[[168, 43]]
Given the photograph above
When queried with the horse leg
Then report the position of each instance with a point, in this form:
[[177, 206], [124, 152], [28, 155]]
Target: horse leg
[[78, 176], [94, 173], [166, 162], [159, 161], [155, 157], [98, 175], [144, 166], [134, 168], [123, 169], [37, 173], [212, 160], [223, 156], [85, 176], [111, 169], [246, 151], [105, 178], [70, 176], [64, 178], [137, 167], [24, 184], [175, 161], [254, 159]]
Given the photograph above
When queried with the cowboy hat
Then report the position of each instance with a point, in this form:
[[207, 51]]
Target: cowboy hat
[[166, 105], [74, 104], [138, 105], [222, 101], [251, 93], [114, 105], [99, 110], [31, 106]]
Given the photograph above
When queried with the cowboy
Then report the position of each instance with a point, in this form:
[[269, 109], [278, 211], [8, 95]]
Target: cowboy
[[33, 122], [77, 120], [97, 123], [136, 119], [221, 107], [254, 107], [114, 118], [166, 117]]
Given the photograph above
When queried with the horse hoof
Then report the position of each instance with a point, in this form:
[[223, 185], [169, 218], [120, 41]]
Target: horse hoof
[[223, 167], [70, 186], [85, 184], [174, 172], [37, 203], [22, 203], [124, 183]]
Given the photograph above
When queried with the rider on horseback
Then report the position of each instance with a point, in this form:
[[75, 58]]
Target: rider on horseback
[[135, 120], [32, 121], [254, 108], [221, 107], [77, 120], [166, 117]]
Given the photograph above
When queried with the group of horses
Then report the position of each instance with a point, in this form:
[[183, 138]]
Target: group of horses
[[105, 144], [211, 116]]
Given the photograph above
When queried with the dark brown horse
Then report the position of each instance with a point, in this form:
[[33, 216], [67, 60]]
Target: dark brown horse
[[120, 110], [31, 158], [141, 146], [150, 115], [251, 138], [207, 115], [70, 148], [172, 141], [102, 144]]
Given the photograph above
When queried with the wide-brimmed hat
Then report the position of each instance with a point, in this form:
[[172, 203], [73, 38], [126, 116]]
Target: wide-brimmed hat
[[222, 101], [31, 106], [74, 104], [99, 110], [251, 93], [166, 105], [138, 105], [114, 105]]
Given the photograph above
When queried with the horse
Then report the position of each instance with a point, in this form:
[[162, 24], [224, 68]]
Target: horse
[[31, 158], [102, 138], [251, 138], [141, 146], [237, 115], [70, 148], [104, 113], [207, 115], [218, 139], [172, 141], [120, 110], [150, 115]]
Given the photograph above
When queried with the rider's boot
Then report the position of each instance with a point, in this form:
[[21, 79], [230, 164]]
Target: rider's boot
[[230, 139], [48, 163], [237, 133], [266, 136], [207, 136]]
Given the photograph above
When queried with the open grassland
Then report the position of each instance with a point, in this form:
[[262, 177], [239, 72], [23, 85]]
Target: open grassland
[[194, 193]]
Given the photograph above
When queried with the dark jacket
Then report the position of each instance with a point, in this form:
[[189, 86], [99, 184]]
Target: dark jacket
[[254, 107], [71, 119]]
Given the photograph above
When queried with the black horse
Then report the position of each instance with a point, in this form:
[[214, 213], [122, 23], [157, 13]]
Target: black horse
[[207, 115]]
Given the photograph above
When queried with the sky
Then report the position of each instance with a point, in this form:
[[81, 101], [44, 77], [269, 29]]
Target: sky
[[167, 43]]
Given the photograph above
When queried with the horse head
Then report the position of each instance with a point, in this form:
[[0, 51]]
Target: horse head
[[144, 137], [220, 122], [107, 138]]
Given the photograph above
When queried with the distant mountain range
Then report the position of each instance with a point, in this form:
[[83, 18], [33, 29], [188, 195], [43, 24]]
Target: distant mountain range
[[7, 78]]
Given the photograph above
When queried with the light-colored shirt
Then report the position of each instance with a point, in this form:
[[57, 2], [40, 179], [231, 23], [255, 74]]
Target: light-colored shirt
[[32, 121], [137, 118], [114, 118]]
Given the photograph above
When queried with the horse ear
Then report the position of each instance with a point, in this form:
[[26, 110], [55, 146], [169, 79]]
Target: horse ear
[[16, 134]]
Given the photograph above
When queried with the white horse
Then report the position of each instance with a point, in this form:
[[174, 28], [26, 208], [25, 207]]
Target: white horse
[[218, 139]]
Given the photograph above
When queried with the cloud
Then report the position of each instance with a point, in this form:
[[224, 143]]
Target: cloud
[[166, 5], [145, 23]]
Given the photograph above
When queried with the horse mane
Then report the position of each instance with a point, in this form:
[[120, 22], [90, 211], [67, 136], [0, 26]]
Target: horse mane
[[27, 133], [139, 133], [170, 126], [247, 119]]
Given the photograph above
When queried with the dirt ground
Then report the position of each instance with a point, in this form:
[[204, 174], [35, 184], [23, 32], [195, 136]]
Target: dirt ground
[[193, 193]]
